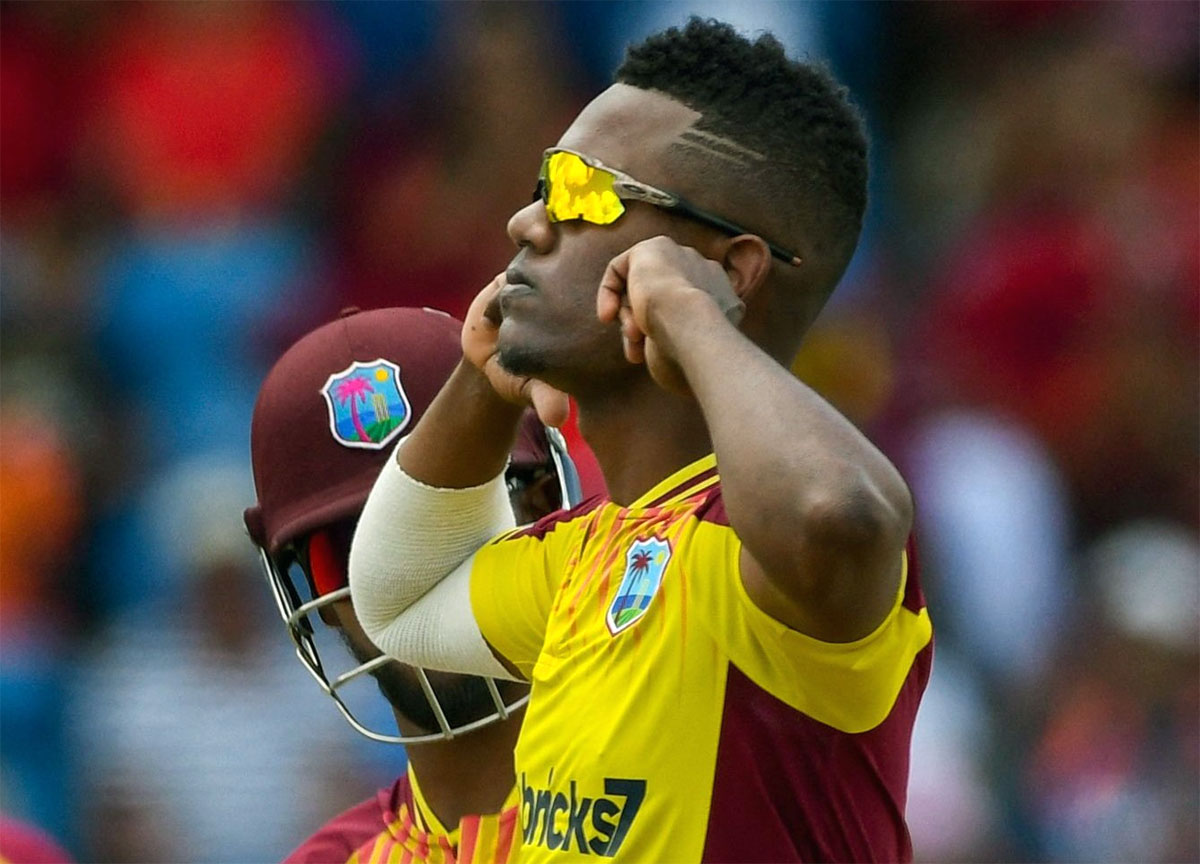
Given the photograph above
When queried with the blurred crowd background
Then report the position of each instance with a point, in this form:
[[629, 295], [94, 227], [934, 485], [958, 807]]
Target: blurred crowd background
[[185, 188]]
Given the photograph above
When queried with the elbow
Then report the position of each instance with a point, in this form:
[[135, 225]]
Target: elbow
[[861, 516], [372, 579], [360, 577]]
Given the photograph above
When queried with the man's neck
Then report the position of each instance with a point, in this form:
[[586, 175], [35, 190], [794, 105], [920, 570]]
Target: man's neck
[[642, 435], [467, 775]]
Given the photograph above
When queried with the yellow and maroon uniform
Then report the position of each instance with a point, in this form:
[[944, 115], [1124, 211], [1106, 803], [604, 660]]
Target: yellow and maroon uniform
[[397, 827], [671, 719]]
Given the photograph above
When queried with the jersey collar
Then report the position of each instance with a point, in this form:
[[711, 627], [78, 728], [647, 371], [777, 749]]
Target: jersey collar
[[684, 480], [428, 822]]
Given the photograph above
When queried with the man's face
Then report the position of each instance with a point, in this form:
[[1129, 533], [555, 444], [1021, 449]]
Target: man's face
[[549, 326], [464, 698]]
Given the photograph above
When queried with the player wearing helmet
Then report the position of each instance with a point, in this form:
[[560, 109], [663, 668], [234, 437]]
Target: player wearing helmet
[[326, 419]]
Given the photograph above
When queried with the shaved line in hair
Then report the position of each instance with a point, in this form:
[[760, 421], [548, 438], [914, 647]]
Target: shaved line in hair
[[719, 146], [779, 139]]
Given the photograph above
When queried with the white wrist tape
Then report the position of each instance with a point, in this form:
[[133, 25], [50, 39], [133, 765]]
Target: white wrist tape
[[409, 539]]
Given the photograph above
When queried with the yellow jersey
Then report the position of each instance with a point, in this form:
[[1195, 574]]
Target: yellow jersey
[[670, 718], [396, 826]]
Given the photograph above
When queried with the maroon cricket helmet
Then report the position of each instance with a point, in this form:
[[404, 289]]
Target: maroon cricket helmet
[[327, 418], [331, 410]]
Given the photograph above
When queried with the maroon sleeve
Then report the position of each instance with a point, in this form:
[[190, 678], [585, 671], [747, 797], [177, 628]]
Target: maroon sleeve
[[343, 835]]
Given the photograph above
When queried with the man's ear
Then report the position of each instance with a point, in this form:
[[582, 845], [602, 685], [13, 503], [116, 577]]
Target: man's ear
[[747, 262]]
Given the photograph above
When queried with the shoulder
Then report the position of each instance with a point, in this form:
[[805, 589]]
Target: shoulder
[[850, 686], [710, 528], [712, 508], [344, 834]]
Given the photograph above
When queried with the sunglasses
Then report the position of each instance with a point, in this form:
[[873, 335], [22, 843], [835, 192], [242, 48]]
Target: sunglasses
[[574, 186]]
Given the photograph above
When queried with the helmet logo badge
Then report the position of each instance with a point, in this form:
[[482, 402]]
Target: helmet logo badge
[[367, 404]]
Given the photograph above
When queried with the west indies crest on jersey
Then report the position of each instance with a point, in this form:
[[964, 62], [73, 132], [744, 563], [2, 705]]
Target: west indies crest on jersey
[[645, 563], [367, 404]]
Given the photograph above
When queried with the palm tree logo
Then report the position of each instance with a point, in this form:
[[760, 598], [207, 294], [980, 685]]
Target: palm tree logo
[[367, 404], [645, 563], [351, 390]]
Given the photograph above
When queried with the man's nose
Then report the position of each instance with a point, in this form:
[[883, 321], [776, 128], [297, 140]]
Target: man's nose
[[530, 227]]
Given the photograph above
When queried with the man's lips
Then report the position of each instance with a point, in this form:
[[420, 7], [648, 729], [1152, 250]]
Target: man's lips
[[512, 293], [514, 275]]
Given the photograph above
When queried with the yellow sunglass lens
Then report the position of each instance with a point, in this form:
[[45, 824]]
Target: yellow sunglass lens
[[576, 190]]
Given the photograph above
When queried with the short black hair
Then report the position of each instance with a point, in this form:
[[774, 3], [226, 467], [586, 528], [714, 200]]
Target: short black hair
[[792, 114]]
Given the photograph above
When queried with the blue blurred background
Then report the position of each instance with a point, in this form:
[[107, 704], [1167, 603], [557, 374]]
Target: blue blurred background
[[186, 188]]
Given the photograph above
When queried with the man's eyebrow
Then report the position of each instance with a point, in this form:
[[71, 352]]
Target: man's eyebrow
[[717, 145]]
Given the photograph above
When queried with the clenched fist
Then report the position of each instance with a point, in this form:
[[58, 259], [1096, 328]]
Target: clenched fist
[[652, 279]]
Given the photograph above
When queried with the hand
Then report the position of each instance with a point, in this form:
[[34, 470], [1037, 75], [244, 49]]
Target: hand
[[479, 336], [646, 281]]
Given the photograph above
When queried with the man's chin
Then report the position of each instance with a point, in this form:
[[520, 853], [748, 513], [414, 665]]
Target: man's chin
[[520, 359], [463, 698]]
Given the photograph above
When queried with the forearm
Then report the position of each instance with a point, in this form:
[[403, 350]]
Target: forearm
[[791, 465], [465, 435], [409, 538], [441, 498]]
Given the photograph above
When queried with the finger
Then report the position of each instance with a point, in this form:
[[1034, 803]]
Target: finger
[[629, 326], [612, 287], [506, 385], [489, 293], [479, 326], [481, 307], [635, 349], [491, 312], [632, 336], [724, 293], [552, 406]]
